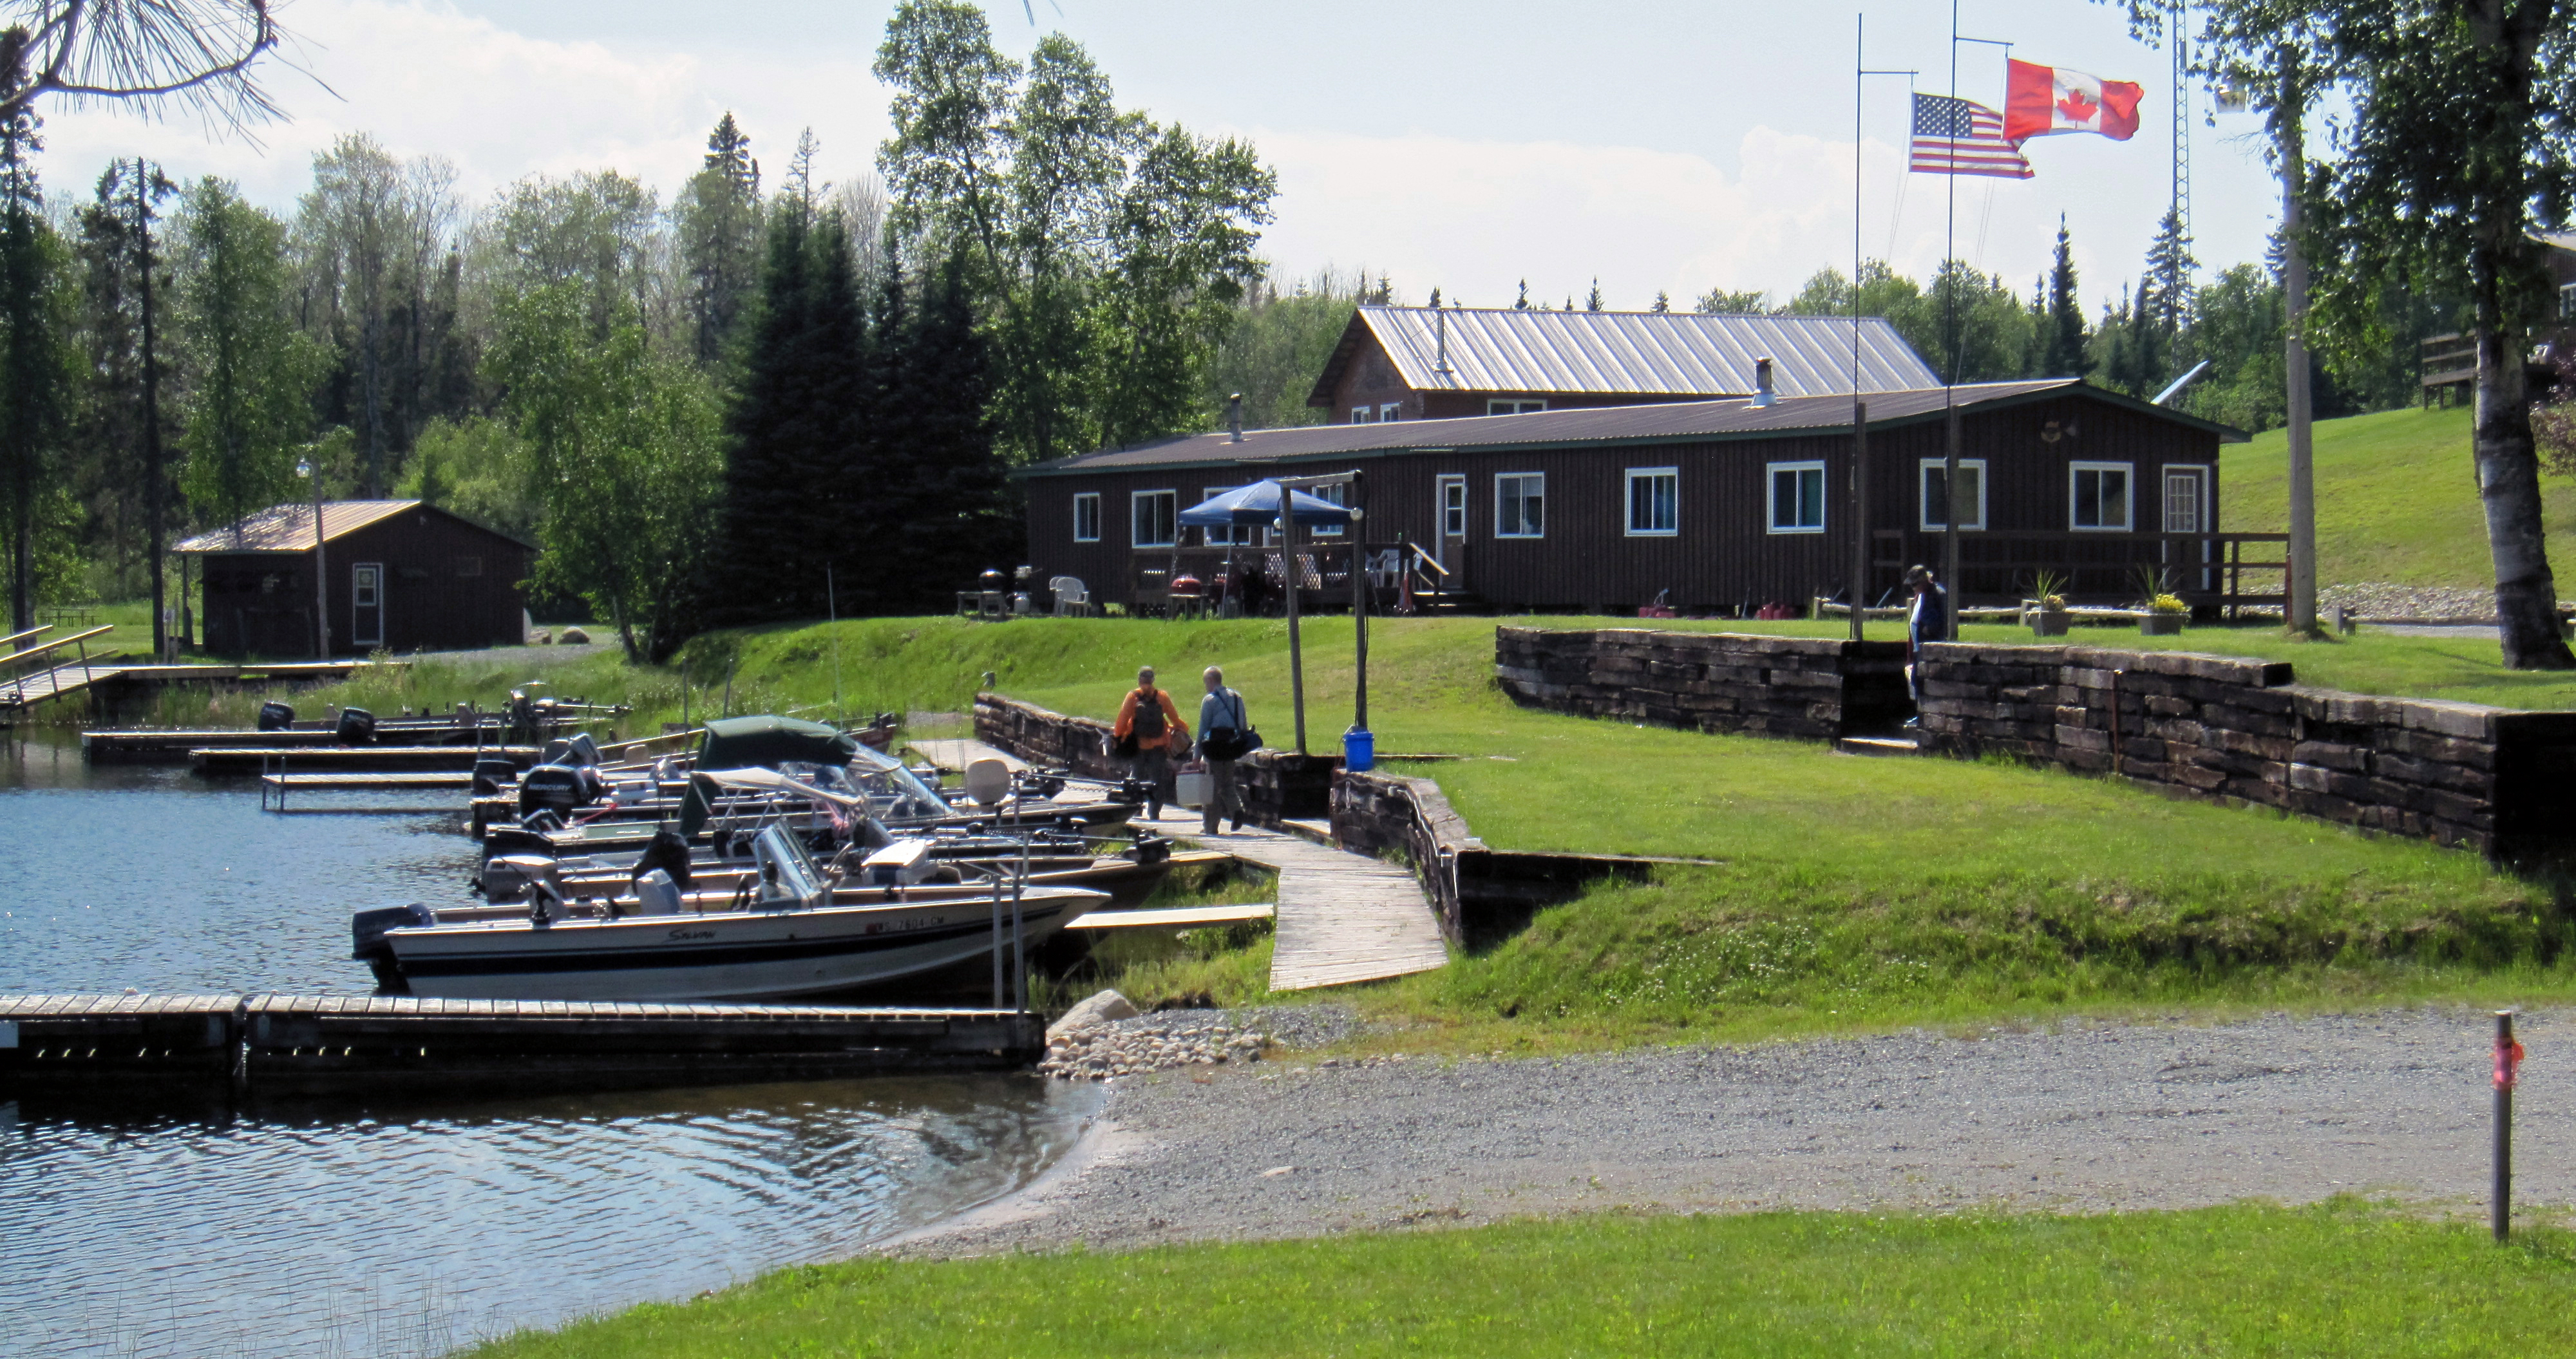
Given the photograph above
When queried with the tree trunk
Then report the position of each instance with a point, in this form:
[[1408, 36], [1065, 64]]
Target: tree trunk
[[2289, 113]]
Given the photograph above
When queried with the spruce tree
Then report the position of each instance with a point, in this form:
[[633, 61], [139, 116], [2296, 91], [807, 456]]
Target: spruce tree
[[1592, 302], [1663, 302], [717, 220], [2065, 355], [961, 518]]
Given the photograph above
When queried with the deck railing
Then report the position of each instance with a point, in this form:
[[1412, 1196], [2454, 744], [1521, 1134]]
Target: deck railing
[[2224, 571]]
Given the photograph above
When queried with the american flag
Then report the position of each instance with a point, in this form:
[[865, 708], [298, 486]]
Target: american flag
[[1957, 137]]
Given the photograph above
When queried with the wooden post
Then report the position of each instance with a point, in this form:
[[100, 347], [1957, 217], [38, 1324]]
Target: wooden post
[[1296, 657], [2508, 1072]]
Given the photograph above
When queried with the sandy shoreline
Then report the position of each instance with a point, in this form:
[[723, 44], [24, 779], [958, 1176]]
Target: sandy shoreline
[[2088, 1119]]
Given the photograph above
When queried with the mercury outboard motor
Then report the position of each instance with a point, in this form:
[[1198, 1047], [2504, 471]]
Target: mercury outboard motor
[[276, 717], [554, 787], [357, 727]]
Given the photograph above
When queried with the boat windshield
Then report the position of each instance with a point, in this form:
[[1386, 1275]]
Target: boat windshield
[[892, 791]]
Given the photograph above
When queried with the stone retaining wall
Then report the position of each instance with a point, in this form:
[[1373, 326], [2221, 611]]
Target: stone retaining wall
[[1479, 894], [1809, 687], [2231, 730], [1276, 785]]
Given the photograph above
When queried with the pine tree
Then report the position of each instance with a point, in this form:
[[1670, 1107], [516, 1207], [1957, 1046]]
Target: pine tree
[[2065, 355], [1521, 303], [1592, 302], [1663, 302], [35, 369], [717, 220], [1435, 299], [2170, 264], [959, 520]]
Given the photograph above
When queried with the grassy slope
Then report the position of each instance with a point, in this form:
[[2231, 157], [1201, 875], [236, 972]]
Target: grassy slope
[[2338, 1279], [2396, 500]]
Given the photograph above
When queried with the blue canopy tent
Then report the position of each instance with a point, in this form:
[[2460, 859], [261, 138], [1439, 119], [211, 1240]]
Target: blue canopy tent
[[1258, 503]]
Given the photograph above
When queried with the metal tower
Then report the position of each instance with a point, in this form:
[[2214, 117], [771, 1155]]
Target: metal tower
[[2180, 41]]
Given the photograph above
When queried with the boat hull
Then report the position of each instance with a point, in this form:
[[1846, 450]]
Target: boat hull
[[735, 955]]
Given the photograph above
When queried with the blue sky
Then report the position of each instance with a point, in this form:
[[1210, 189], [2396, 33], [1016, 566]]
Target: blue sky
[[1465, 146]]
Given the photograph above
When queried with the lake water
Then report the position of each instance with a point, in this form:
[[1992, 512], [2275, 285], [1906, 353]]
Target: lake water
[[383, 1229]]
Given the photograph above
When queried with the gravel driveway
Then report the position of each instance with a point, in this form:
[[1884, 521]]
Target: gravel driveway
[[2090, 1118]]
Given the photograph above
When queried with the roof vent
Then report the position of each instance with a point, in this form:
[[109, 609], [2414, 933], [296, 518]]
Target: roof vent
[[1234, 416], [1762, 393], [1440, 328]]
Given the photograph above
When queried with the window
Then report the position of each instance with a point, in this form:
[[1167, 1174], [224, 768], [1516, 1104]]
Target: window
[[1514, 406], [1086, 517], [1156, 518], [2567, 301], [1797, 497], [1520, 505], [1972, 494], [1215, 535], [1362, 415], [1654, 502], [2098, 496], [1339, 495], [1392, 410], [469, 566], [1453, 507]]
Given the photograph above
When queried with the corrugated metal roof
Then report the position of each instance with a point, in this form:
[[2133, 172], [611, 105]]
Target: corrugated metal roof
[[289, 528], [1667, 423], [1632, 353]]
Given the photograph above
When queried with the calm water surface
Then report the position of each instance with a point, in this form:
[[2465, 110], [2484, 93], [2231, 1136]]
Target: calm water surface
[[394, 1229]]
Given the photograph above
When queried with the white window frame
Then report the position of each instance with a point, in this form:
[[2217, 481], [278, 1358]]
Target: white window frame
[[1923, 494], [1078, 535], [1390, 411], [1500, 521], [2567, 301], [2202, 472], [1231, 535], [1338, 493], [2128, 500], [1515, 405], [1771, 496], [1362, 415], [1445, 483], [1650, 474], [1135, 506]]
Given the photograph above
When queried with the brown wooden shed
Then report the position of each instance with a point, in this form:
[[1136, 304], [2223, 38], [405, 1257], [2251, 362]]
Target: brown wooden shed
[[1713, 506], [400, 575]]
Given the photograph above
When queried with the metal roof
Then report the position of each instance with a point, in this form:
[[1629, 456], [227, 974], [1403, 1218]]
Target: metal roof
[[289, 528], [1637, 353], [1676, 422]]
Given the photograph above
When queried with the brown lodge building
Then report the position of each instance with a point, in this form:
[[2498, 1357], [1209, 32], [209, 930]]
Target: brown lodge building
[[400, 574], [1708, 505]]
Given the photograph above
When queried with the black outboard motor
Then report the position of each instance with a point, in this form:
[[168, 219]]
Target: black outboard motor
[[276, 717], [552, 787], [367, 939], [357, 727], [492, 773], [667, 852]]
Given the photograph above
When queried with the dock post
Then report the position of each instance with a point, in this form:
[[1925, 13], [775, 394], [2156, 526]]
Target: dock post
[[2508, 1073]]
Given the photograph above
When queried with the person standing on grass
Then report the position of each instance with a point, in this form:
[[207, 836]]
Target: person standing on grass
[[1149, 722], [1927, 621], [1225, 735]]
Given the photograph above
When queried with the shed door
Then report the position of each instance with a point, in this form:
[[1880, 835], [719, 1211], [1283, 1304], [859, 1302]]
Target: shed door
[[2188, 564], [367, 604]]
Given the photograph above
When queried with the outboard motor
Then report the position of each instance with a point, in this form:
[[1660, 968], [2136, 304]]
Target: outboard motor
[[668, 855], [492, 773], [357, 727], [1133, 792], [552, 787], [276, 717], [367, 939]]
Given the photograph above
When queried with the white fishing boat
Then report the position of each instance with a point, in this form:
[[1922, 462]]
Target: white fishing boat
[[782, 933]]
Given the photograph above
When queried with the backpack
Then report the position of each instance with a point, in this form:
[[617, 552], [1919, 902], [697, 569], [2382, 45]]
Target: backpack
[[1149, 716]]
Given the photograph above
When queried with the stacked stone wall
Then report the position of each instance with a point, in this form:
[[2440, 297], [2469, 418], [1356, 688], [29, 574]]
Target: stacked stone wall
[[1809, 687]]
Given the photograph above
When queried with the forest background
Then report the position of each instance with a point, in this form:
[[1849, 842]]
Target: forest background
[[703, 410]]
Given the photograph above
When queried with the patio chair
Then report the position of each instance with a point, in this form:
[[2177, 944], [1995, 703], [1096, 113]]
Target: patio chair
[[1072, 600]]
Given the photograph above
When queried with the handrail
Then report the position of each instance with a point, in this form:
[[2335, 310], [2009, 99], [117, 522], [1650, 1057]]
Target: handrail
[[42, 647], [1426, 558], [16, 637]]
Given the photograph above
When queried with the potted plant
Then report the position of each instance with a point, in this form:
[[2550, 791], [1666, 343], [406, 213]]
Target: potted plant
[[2045, 610], [2164, 616]]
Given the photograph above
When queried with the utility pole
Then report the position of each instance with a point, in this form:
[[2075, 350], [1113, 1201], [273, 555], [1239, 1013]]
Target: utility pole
[[2289, 108]]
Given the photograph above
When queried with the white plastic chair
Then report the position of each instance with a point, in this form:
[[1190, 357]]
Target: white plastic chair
[[1071, 599]]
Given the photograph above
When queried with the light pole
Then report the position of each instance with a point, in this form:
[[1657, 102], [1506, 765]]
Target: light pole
[[321, 575]]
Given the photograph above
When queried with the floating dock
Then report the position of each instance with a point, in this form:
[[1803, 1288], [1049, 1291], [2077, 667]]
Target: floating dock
[[244, 761], [144, 744], [343, 1045]]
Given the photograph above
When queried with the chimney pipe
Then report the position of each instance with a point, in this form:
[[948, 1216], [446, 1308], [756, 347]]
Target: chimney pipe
[[1440, 326], [1234, 416], [1762, 394]]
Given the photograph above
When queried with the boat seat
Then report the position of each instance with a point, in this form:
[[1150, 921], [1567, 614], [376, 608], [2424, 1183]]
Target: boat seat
[[656, 894]]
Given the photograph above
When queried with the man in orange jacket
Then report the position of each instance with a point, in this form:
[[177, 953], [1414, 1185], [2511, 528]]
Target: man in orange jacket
[[1150, 720]]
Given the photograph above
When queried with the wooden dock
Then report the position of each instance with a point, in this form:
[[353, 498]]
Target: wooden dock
[[1175, 917], [41, 686], [321, 1045], [142, 744], [416, 781], [952, 756], [1342, 917], [244, 761]]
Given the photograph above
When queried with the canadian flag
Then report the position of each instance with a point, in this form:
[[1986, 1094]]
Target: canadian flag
[[2040, 100]]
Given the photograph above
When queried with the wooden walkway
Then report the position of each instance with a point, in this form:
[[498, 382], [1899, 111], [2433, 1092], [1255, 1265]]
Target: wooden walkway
[[1342, 917], [43, 685], [955, 754]]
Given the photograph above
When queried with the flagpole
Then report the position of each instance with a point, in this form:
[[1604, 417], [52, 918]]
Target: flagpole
[[1950, 380], [1862, 548]]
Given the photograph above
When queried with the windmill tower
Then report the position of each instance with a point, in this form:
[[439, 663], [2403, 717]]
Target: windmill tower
[[2176, 269]]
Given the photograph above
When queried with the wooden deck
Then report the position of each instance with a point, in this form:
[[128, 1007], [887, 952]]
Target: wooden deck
[[44, 685], [1342, 917], [362, 781]]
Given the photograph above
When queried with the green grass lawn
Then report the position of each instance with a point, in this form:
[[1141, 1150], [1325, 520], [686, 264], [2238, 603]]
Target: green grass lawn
[[2340, 1279], [2397, 500]]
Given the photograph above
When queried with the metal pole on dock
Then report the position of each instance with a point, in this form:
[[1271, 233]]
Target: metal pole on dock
[[2508, 1073], [1359, 617], [997, 939], [832, 621], [1288, 569]]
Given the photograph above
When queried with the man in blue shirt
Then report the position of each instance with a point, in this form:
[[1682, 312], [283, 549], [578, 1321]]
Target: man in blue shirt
[[1927, 621], [1225, 735]]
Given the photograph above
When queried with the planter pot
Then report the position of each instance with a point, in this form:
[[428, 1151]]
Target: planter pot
[[2048, 623], [2162, 624]]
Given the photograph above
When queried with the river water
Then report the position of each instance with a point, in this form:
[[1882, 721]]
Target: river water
[[394, 1229]]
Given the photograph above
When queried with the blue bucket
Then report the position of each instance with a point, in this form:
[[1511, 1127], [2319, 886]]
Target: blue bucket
[[1359, 750]]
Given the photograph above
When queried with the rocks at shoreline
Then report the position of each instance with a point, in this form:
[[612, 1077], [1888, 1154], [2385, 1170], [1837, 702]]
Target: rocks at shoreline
[[2378, 599], [1093, 1042]]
